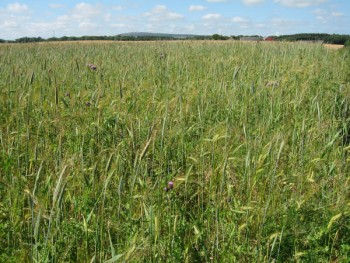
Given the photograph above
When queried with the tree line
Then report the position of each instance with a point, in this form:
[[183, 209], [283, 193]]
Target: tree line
[[326, 38], [92, 38]]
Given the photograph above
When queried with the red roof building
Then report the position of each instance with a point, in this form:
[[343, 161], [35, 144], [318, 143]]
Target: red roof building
[[270, 38]]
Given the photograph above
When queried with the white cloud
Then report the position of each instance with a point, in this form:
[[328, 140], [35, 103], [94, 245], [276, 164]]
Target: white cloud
[[10, 24], [284, 23], [260, 25], [121, 25], [337, 14], [159, 9], [318, 12], [172, 15], [56, 6], [117, 8], [162, 13], [216, 1], [86, 16], [253, 2], [211, 16], [82, 19], [321, 18], [300, 3], [108, 17], [17, 8], [86, 11], [238, 19], [14, 17], [196, 8], [324, 16], [190, 28], [87, 25]]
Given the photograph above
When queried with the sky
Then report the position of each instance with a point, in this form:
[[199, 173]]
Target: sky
[[49, 18]]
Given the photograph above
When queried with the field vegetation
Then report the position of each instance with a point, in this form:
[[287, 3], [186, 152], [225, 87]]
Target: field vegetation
[[255, 138]]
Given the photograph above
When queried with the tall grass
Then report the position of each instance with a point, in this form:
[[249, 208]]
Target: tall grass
[[254, 136]]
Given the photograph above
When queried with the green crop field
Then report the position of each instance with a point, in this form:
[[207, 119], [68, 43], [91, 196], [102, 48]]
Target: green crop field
[[174, 152]]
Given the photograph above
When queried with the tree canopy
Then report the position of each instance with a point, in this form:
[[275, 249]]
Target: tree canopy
[[326, 38]]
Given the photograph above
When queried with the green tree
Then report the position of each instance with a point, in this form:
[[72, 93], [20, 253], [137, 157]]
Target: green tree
[[219, 37]]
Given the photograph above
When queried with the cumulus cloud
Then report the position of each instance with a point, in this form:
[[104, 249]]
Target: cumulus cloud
[[162, 13], [283, 23], [253, 2], [17, 8], [211, 16], [56, 6], [324, 16], [300, 3], [87, 25], [86, 11], [318, 12], [13, 18], [238, 19], [82, 19], [196, 8], [12, 26], [260, 25], [216, 1], [117, 8], [119, 25], [159, 9], [86, 16], [336, 14]]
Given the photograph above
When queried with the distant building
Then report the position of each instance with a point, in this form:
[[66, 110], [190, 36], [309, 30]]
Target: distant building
[[252, 38], [270, 38]]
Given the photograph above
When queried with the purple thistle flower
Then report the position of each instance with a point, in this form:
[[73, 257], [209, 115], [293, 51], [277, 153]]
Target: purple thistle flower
[[91, 66], [171, 185]]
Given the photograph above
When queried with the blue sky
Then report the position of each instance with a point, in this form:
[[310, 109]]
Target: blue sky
[[228, 17]]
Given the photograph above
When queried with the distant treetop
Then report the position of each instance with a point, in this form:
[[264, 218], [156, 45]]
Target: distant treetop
[[326, 38]]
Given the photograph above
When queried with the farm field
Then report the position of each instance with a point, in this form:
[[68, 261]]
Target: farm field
[[332, 46], [174, 152]]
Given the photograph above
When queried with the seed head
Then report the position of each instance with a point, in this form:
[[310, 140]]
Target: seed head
[[171, 185]]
